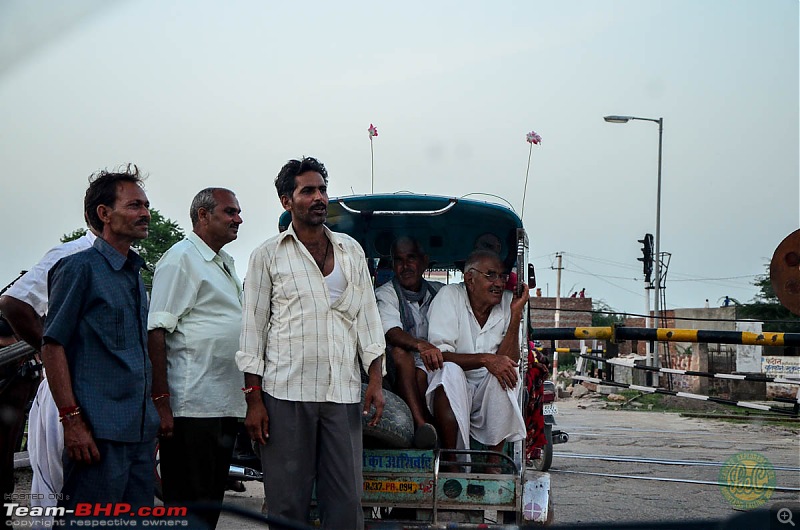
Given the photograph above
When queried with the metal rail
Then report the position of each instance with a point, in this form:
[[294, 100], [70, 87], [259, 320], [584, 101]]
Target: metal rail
[[13, 354], [682, 480], [570, 350], [440, 211], [643, 460]]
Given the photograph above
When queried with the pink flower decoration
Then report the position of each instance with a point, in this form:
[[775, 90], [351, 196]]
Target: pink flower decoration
[[533, 138], [373, 131]]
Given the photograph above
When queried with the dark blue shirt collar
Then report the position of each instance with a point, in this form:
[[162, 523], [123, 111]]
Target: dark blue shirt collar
[[114, 258]]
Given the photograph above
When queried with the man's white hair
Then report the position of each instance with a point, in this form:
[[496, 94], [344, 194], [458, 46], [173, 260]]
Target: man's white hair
[[479, 255]]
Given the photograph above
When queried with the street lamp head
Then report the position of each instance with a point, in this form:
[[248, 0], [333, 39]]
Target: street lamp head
[[617, 119]]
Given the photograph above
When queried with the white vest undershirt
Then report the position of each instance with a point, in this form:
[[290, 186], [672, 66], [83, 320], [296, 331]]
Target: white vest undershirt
[[336, 282]]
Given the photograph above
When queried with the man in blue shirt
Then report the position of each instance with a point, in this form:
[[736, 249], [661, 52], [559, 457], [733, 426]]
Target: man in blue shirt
[[95, 351]]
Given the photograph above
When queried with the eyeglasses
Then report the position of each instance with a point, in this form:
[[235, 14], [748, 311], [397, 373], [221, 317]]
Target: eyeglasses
[[492, 276]]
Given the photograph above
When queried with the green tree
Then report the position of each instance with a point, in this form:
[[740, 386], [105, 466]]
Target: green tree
[[164, 232], [75, 234], [766, 306], [604, 315]]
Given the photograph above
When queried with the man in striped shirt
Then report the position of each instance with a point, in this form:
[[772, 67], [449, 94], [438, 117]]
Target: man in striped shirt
[[310, 324]]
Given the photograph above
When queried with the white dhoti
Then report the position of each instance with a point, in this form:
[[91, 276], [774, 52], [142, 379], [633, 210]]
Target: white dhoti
[[483, 409], [45, 446]]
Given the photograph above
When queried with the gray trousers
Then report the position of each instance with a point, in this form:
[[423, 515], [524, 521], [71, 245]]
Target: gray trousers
[[314, 441]]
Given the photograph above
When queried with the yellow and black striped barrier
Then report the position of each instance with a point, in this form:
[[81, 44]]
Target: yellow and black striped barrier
[[622, 333], [570, 350]]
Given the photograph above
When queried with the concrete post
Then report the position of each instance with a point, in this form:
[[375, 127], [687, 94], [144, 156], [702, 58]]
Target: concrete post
[[700, 364]]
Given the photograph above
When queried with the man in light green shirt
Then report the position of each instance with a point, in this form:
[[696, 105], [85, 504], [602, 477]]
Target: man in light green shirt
[[194, 326]]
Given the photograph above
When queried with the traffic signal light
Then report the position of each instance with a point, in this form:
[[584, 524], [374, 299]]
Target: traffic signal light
[[647, 256]]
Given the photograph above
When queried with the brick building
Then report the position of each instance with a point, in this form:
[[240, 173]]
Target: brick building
[[575, 312]]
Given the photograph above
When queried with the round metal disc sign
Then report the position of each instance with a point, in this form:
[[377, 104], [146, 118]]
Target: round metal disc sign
[[784, 272]]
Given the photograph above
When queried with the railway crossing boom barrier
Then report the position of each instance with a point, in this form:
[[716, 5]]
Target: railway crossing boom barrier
[[616, 334]]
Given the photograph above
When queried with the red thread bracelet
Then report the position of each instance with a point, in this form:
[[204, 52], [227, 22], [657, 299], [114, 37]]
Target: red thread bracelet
[[69, 412]]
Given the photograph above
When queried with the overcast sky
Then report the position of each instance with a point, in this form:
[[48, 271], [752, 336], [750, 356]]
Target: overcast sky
[[202, 93]]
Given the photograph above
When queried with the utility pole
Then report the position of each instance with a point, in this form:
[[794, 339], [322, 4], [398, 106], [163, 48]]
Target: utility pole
[[648, 350], [558, 291]]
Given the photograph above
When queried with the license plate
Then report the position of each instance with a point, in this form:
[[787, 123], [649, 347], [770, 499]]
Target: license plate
[[550, 409]]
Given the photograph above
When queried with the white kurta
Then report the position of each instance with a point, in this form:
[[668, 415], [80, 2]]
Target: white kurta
[[45, 446], [483, 409]]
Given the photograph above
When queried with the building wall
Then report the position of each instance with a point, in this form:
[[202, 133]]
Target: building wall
[[575, 312]]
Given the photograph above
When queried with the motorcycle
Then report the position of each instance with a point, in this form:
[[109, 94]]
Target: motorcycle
[[550, 411]]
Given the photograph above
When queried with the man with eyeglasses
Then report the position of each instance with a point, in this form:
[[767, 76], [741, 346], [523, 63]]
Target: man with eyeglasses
[[475, 324]]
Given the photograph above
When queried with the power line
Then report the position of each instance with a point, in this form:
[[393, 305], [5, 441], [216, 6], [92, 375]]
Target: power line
[[602, 260], [686, 277], [604, 275], [690, 279], [610, 283]]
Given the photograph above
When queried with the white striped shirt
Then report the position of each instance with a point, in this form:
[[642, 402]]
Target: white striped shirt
[[304, 347]]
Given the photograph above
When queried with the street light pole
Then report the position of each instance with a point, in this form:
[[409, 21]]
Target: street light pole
[[658, 307], [657, 311]]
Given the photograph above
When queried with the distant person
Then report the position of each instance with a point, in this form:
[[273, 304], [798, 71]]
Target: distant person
[[194, 326], [95, 351], [310, 326], [403, 304], [706, 306], [727, 302], [539, 291], [24, 305], [476, 326], [582, 294]]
